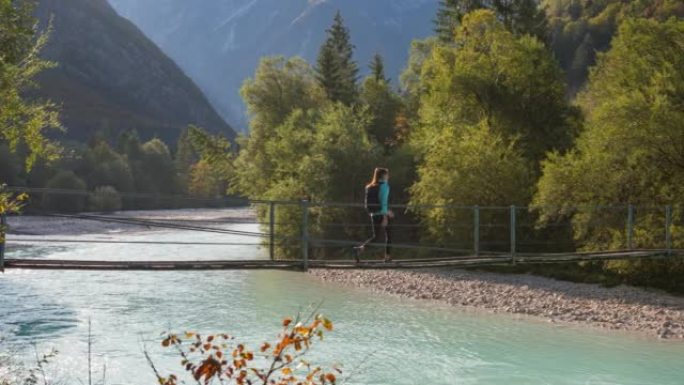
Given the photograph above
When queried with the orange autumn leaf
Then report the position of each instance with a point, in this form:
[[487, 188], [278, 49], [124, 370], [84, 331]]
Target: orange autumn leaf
[[327, 324], [208, 369], [208, 362]]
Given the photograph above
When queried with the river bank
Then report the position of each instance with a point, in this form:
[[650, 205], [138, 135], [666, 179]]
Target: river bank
[[619, 308]]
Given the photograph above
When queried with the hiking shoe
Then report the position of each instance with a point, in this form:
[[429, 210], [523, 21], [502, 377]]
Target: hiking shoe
[[357, 250]]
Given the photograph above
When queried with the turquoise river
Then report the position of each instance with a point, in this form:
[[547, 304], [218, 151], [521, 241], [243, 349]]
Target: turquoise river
[[378, 339]]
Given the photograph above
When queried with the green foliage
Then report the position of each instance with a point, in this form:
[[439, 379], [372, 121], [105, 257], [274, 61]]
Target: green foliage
[[205, 181], [102, 166], [316, 152], [184, 157], [282, 100], [377, 68], [449, 15], [383, 103], [214, 150], [578, 29], [491, 105], [129, 145], [632, 146], [311, 153], [23, 121], [511, 82], [10, 166], [474, 165], [336, 69], [134, 167], [105, 199], [157, 172], [522, 17], [65, 180], [411, 77], [9, 204], [279, 87]]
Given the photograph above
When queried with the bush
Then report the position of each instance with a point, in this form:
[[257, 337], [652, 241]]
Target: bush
[[105, 198], [219, 359], [66, 201]]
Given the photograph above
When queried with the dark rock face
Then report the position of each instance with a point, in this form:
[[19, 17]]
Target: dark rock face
[[218, 43], [111, 78]]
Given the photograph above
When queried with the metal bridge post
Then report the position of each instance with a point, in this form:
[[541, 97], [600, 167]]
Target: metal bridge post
[[3, 235], [271, 232], [512, 215], [630, 227], [305, 235], [476, 230], [668, 229]]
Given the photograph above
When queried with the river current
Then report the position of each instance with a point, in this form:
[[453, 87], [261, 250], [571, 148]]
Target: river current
[[381, 339]]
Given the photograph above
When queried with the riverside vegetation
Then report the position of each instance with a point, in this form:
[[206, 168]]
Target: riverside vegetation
[[507, 104], [483, 117]]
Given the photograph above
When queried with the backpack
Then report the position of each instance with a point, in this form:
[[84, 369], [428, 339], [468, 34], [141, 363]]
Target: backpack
[[372, 201]]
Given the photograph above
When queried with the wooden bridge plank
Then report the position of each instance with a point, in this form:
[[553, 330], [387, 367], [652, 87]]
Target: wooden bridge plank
[[460, 261]]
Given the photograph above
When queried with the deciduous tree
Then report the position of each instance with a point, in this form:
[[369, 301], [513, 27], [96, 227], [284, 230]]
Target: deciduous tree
[[631, 151], [513, 83], [23, 121]]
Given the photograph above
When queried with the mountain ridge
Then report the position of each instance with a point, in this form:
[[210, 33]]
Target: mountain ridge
[[220, 43], [110, 77]]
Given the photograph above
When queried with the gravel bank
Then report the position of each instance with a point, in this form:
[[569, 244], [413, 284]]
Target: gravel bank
[[36, 225], [620, 308]]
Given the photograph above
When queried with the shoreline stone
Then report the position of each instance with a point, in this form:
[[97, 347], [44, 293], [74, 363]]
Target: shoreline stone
[[624, 308]]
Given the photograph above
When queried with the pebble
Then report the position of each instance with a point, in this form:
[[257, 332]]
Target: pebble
[[619, 308]]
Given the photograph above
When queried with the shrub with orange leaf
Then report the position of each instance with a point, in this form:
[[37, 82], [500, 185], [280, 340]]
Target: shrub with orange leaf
[[219, 359]]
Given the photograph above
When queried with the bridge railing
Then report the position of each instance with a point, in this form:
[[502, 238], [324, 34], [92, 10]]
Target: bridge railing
[[306, 231], [423, 231]]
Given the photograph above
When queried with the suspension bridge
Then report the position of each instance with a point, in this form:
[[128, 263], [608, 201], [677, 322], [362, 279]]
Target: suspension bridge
[[481, 236]]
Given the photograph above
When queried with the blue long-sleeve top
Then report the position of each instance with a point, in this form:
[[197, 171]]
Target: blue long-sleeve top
[[384, 198]]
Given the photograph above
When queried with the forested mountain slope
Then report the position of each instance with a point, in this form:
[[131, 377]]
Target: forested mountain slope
[[111, 78], [580, 28]]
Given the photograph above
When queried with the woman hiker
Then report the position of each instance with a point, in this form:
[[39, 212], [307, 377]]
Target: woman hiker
[[377, 202]]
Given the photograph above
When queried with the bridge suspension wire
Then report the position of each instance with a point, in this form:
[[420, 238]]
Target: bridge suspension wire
[[150, 223], [126, 242]]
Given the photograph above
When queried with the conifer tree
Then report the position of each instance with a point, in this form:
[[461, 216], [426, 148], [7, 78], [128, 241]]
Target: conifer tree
[[447, 19], [377, 67], [382, 102], [337, 72], [328, 71]]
